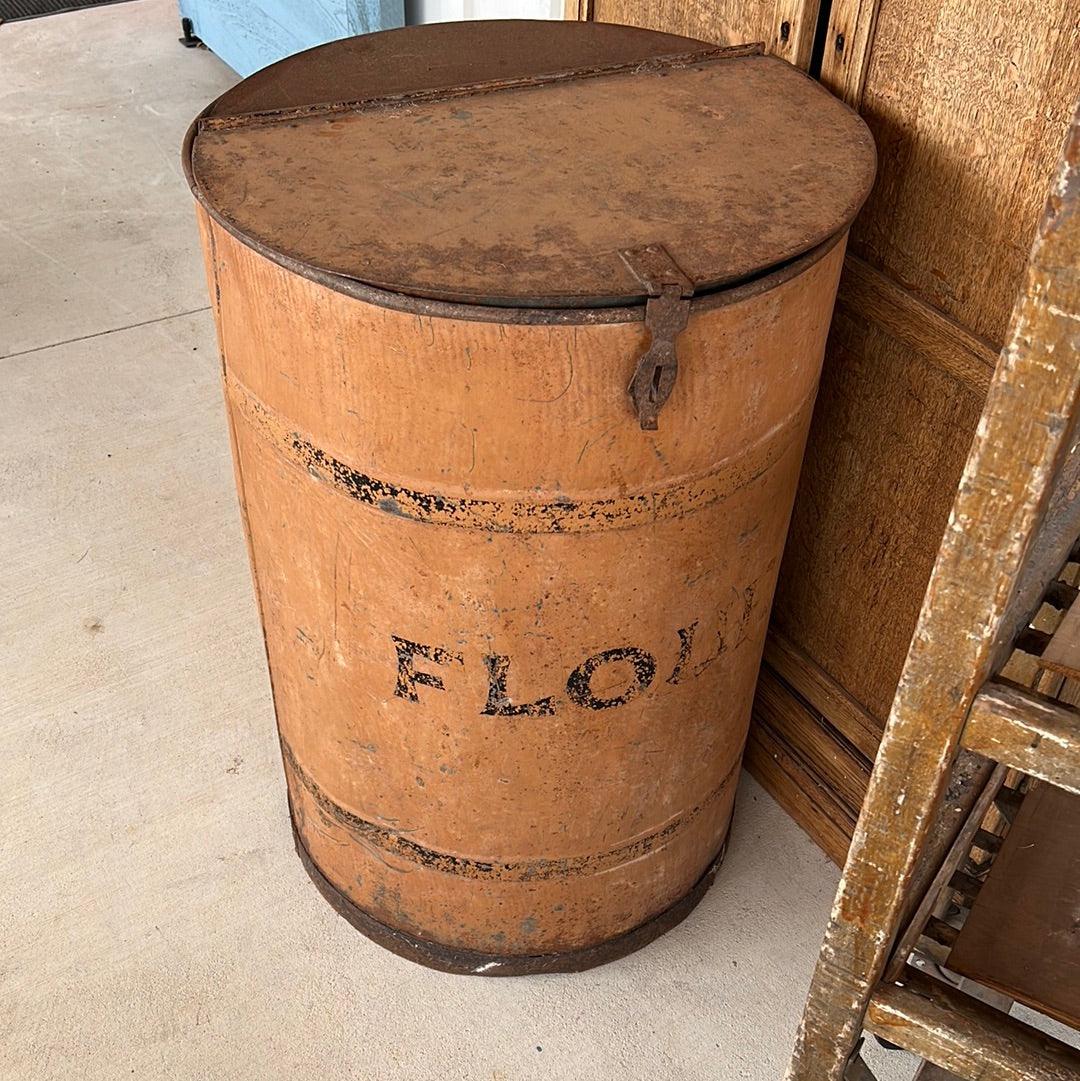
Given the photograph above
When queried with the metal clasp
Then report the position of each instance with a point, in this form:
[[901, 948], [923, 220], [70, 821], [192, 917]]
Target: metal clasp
[[666, 313]]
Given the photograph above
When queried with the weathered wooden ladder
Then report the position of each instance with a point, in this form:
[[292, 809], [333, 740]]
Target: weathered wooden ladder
[[1014, 521]]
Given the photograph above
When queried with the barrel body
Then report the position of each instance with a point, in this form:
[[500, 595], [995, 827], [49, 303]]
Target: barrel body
[[513, 638]]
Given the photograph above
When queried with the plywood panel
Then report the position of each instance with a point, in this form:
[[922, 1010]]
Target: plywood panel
[[725, 22], [968, 101], [1022, 936], [888, 442]]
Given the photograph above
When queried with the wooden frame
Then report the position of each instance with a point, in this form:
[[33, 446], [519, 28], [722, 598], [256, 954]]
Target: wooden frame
[[968, 127], [1014, 521], [787, 27]]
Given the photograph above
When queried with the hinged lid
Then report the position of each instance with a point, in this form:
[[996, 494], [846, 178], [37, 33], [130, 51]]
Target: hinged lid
[[524, 189]]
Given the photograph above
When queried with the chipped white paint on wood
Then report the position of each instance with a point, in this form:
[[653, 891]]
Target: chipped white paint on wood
[[1032, 734]]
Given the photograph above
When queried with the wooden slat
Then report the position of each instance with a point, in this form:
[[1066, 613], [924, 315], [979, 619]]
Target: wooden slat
[[802, 794], [847, 47], [809, 680], [1063, 652], [871, 295], [947, 855], [794, 24], [969, 1038], [1028, 732], [844, 770]]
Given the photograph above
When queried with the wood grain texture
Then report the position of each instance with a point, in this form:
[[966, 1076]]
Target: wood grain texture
[[812, 683], [844, 771], [1021, 936], [975, 1041], [792, 30], [727, 22], [1023, 441], [870, 295], [848, 42], [801, 792], [1028, 732], [886, 449], [968, 127]]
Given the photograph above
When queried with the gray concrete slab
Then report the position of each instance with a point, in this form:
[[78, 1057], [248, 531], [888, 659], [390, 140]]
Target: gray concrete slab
[[94, 230], [154, 921]]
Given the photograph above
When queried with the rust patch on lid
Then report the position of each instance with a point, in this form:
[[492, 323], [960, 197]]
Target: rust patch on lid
[[522, 190]]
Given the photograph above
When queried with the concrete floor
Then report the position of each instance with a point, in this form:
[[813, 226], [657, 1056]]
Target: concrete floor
[[154, 921]]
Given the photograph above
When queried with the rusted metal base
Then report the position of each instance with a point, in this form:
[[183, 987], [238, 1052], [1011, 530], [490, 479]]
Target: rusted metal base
[[472, 963]]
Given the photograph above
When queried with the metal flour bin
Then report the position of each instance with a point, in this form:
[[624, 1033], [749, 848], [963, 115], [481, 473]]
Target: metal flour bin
[[521, 328]]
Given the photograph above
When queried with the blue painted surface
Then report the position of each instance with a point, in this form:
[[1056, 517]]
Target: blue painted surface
[[249, 34]]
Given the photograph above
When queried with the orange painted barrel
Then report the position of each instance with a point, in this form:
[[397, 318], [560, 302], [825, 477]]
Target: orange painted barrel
[[521, 328]]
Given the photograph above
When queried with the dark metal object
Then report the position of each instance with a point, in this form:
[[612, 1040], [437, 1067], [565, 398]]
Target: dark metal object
[[666, 313], [370, 65], [189, 40], [472, 963], [476, 88], [732, 293]]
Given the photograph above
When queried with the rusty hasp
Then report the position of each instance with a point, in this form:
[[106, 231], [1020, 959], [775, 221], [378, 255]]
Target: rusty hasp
[[666, 313]]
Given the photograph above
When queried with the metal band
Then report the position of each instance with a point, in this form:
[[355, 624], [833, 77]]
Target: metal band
[[674, 500], [474, 963], [401, 846], [523, 82]]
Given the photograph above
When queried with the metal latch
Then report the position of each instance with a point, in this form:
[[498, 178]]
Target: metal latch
[[666, 313]]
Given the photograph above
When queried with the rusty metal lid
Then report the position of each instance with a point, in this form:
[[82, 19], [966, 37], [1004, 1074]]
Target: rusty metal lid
[[514, 164]]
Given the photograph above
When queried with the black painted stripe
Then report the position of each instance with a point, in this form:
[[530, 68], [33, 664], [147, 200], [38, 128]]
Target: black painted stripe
[[565, 515], [535, 870]]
